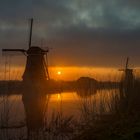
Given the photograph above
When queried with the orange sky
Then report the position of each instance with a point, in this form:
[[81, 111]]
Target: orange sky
[[17, 66], [66, 73], [73, 73]]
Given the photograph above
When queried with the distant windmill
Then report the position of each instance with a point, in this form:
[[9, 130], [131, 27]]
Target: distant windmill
[[128, 77], [36, 65]]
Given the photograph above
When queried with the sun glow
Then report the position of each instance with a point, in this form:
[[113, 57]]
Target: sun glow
[[73, 73], [59, 73], [67, 73]]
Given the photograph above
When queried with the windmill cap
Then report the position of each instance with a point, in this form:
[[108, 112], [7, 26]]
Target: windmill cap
[[36, 50]]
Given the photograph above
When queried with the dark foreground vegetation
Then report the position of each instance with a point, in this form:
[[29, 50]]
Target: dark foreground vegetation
[[116, 120]]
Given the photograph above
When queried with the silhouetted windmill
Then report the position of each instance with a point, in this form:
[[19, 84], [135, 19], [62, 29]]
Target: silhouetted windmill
[[128, 77], [36, 67]]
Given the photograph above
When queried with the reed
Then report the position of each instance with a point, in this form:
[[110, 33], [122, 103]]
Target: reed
[[111, 116]]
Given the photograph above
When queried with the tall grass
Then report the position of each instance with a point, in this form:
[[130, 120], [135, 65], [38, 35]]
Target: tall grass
[[111, 116]]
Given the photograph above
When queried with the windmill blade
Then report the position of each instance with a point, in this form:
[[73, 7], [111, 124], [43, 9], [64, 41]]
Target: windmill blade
[[137, 68], [47, 65], [30, 36], [121, 69], [125, 69], [12, 51], [126, 65], [127, 61], [46, 49]]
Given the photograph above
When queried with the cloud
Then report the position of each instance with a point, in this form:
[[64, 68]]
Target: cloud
[[95, 30]]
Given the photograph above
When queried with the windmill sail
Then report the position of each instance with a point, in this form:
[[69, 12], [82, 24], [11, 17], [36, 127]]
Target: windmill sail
[[30, 37]]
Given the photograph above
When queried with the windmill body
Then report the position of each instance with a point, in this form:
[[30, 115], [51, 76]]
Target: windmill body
[[128, 73], [36, 69], [36, 65]]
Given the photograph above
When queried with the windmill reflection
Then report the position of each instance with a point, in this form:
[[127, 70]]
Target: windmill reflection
[[34, 104]]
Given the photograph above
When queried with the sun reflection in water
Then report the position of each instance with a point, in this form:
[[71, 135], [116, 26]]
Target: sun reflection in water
[[58, 97]]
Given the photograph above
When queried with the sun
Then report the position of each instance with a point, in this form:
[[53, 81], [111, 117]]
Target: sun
[[59, 72]]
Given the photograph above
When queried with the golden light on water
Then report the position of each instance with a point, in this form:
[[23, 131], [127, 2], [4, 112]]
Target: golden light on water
[[58, 97], [66, 96]]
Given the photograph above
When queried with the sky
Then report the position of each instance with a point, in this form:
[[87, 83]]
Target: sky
[[79, 33]]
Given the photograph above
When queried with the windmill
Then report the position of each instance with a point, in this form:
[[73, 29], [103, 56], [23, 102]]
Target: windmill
[[35, 80], [128, 77], [36, 64]]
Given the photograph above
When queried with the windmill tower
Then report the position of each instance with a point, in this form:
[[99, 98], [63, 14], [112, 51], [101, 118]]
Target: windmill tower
[[36, 69]]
